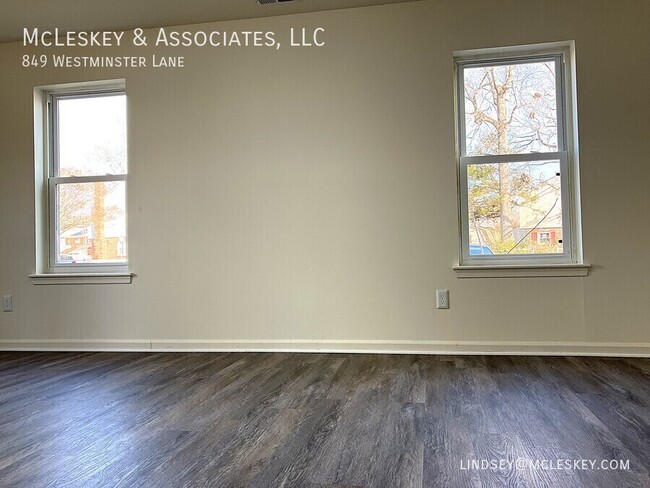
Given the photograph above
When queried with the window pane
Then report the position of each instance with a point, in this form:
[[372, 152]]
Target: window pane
[[91, 223], [92, 135], [514, 208], [510, 109]]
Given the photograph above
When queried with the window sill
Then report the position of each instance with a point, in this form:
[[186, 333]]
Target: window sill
[[521, 271], [81, 278]]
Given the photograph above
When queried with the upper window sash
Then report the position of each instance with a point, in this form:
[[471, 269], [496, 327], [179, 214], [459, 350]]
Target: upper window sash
[[54, 124], [560, 95]]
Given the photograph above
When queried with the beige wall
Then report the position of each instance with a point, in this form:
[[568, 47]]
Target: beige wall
[[319, 188]]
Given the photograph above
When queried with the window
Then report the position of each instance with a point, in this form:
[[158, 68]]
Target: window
[[85, 183], [516, 156]]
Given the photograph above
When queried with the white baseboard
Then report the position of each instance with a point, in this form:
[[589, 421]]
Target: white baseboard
[[338, 346]]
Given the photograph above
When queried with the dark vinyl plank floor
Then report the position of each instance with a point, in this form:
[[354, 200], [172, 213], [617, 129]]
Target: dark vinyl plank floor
[[320, 420]]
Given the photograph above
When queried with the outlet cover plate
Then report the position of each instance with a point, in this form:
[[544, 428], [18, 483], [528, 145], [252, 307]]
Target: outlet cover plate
[[442, 299]]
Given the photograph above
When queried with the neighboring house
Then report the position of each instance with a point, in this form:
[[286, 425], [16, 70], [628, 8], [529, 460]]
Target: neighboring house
[[549, 230], [74, 243], [82, 245]]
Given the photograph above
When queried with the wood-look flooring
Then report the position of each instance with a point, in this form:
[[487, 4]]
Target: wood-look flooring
[[308, 420]]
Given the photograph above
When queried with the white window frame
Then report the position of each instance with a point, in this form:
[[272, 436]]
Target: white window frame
[[562, 54], [122, 247], [48, 271]]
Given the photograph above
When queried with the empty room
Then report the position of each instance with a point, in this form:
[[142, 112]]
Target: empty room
[[325, 243]]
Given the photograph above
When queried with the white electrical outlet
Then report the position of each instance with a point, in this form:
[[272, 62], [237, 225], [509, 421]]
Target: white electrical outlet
[[442, 298], [7, 306]]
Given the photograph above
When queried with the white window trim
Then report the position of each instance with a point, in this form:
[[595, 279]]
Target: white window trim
[[525, 265], [528, 271], [81, 278], [46, 269]]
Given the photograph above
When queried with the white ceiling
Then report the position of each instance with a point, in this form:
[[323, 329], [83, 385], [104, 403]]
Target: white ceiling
[[75, 15]]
